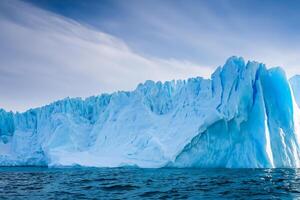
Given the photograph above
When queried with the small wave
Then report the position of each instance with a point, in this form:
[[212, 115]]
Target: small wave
[[151, 193], [119, 187]]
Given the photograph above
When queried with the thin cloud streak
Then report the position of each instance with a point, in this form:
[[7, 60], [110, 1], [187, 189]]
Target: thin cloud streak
[[45, 57], [212, 33]]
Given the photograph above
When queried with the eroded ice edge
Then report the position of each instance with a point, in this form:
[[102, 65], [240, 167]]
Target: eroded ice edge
[[244, 116]]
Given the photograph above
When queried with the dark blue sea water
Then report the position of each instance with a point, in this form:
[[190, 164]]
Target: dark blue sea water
[[133, 183]]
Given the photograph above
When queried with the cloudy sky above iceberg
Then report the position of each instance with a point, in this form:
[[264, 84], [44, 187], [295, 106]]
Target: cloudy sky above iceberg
[[51, 49]]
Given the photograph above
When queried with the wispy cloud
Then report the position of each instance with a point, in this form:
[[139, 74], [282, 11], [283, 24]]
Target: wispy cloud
[[44, 57], [211, 31]]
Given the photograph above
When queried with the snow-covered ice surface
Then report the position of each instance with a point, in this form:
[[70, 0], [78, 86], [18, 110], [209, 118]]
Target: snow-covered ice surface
[[245, 116]]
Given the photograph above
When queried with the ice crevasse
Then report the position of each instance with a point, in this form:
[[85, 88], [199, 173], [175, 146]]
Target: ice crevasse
[[245, 116]]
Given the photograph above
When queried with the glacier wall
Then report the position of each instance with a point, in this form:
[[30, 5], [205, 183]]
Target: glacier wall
[[244, 116]]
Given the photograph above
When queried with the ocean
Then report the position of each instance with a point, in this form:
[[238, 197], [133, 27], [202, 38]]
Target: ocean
[[136, 183]]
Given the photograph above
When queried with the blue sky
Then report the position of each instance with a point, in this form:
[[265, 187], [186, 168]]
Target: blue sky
[[200, 31], [51, 49]]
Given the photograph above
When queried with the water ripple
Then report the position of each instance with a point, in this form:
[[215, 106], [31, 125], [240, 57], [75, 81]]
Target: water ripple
[[131, 183]]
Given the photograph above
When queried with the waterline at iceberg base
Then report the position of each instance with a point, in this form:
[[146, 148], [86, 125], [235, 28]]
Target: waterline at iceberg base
[[245, 116]]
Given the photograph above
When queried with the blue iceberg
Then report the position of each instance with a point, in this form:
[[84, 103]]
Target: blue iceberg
[[245, 116]]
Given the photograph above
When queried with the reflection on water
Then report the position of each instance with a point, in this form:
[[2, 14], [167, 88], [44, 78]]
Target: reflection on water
[[134, 183]]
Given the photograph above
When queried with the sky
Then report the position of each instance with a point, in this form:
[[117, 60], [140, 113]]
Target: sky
[[52, 49]]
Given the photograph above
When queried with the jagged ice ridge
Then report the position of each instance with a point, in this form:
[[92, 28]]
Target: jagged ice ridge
[[245, 116]]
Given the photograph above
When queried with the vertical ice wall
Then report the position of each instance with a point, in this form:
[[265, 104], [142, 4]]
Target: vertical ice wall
[[258, 127]]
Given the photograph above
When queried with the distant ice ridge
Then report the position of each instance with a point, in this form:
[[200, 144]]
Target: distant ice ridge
[[246, 116]]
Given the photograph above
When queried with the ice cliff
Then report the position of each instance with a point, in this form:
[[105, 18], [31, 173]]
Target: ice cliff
[[244, 116]]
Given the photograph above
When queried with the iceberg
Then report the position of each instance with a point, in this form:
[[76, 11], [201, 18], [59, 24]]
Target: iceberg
[[295, 84], [245, 116]]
